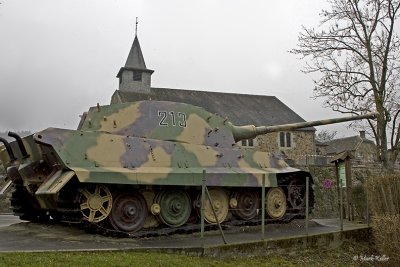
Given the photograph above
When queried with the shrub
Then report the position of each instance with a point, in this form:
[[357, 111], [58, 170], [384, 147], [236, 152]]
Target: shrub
[[384, 202], [360, 204]]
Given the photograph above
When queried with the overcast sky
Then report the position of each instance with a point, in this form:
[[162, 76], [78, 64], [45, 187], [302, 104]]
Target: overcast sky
[[58, 58]]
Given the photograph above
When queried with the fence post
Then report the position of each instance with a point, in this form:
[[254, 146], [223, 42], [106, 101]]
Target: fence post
[[203, 190], [341, 205], [367, 207], [215, 215], [263, 208], [307, 193]]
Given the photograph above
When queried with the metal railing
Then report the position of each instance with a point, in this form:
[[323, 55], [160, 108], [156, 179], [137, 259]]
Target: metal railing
[[306, 219]]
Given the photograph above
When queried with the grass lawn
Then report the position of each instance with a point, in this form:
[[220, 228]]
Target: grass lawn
[[342, 256]]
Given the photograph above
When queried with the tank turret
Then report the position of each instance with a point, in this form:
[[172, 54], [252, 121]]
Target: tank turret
[[251, 131], [180, 122]]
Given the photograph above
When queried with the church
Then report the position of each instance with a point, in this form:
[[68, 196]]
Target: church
[[240, 109]]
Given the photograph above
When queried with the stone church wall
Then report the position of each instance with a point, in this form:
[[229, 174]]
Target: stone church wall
[[302, 144], [128, 84]]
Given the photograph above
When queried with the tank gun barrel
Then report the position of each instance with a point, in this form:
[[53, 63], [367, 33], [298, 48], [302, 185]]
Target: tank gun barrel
[[251, 131]]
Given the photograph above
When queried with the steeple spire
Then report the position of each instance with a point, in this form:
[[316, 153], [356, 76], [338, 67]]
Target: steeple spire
[[135, 76], [135, 58]]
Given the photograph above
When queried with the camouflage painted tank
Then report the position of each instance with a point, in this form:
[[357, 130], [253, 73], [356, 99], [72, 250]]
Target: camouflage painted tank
[[138, 166]]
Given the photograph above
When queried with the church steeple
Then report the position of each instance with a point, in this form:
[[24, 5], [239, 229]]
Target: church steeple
[[135, 76], [135, 58]]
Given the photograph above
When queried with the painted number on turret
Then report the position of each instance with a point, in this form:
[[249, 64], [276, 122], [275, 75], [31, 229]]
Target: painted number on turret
[[171, 118]]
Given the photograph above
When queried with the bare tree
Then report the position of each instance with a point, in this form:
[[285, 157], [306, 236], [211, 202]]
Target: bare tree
[[355, 51], [325, 135]]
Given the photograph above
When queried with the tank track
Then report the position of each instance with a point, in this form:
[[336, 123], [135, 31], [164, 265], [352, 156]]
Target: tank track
[[186, 229], [69, 209], [68, 212], [23, 206]]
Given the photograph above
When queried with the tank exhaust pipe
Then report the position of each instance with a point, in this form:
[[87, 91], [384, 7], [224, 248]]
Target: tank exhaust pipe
[[8, 148], [20, 144]]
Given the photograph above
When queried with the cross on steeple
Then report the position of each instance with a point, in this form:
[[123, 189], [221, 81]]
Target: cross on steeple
[[136, 26]]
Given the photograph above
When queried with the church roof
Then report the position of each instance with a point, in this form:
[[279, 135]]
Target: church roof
[[345, 144], [135, 60], [241, 109]]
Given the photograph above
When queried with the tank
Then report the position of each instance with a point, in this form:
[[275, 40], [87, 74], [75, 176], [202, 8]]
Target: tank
[[140, 166]]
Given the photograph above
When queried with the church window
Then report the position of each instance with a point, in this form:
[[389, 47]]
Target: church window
[[288, 140], [137, 76], [285, 139], [248, 142]]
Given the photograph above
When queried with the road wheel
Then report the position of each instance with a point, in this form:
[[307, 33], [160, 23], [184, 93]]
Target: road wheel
[[247, 204], [95, 202], [175, 207], [129, 212], [276, 203], [220, 202]]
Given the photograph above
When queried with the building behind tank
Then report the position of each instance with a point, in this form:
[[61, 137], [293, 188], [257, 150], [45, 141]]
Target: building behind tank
[[241, 109]]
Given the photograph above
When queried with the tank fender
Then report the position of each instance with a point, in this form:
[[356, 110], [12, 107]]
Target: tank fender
[[6, 188], [55, 182]]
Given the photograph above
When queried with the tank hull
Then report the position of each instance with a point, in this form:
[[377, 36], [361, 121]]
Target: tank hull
[[152, 166], [99, 177]]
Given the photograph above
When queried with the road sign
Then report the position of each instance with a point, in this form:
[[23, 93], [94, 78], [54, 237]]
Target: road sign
[[342, 174], [327, 183]]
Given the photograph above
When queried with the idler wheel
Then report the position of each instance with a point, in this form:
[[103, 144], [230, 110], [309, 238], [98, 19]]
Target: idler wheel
[[129, 212], [220, 202], [95, 202], [297, 193], [175, 207], [247, 204], [151, 220], [276, 203]]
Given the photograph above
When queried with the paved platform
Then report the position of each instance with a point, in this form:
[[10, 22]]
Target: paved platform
[[16, 235]]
